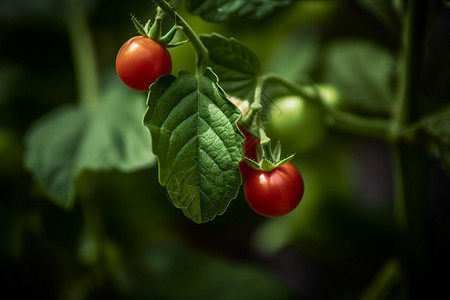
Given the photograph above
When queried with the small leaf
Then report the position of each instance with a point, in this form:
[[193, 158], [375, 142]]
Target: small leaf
[[437, 128], [197, 141], [236, 65], [71, 139], [362, 71], [236, 11]]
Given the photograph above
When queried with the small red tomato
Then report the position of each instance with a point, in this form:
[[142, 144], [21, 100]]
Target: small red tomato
[[274, 193], [250, 145], [140, 61]]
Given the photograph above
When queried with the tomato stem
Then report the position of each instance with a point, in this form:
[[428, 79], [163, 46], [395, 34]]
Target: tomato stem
[[83, 55], [202, 51]]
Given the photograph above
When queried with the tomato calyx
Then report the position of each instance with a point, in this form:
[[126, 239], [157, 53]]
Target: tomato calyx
[[267, 160], [154, 31]]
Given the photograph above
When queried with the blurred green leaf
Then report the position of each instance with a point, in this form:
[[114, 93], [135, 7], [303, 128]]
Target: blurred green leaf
[[362, 71], [296, 54], [235, 65], [197, 141], [71, 139], [241, 11], [171, 271], [437, 128]]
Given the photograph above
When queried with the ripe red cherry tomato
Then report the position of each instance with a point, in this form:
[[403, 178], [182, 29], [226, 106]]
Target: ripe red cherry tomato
[[140, 61], [250, 145], [274, 193]]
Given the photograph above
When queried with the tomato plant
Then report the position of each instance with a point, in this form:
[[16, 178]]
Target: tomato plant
[[274, 193], [140, 61], [372, 89]]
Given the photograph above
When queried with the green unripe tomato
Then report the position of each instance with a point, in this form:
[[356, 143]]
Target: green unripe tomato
[[298, 124], [329, 93]]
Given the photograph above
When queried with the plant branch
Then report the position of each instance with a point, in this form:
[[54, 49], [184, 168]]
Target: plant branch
[[409, 88], [339, 119], [411, 162], [408, 106], [202, 51]]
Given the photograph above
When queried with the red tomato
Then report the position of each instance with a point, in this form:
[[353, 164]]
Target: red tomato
[[140, 61], [250, 152], [274, 193]]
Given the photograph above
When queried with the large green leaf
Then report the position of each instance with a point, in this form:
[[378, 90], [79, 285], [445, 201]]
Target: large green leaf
[[197, 141], [72, 139], [236, 65], [437, 129], [362, 71], [166, 270], [241, 11]]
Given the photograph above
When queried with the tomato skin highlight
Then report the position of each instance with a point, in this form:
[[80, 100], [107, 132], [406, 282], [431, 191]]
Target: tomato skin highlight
[[274, 193], [140, 61]]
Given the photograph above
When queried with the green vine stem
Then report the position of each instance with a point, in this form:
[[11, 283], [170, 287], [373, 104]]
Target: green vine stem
[[345, 121], [83, 54], [411, 163], [202, 51], [408, 96]]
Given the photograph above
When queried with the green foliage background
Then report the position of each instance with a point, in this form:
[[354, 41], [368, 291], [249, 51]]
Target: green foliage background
[[123, 239]]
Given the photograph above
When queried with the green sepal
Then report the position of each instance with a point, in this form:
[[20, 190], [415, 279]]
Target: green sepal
[[285, 160], [147, 25], [267, 160], [168, 37], [176, 44], [266, 165], [252, 163], [155, 29], [277, 152], [140, 28]]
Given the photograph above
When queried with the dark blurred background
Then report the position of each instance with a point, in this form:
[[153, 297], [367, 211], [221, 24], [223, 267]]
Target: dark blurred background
[[332, 246]]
